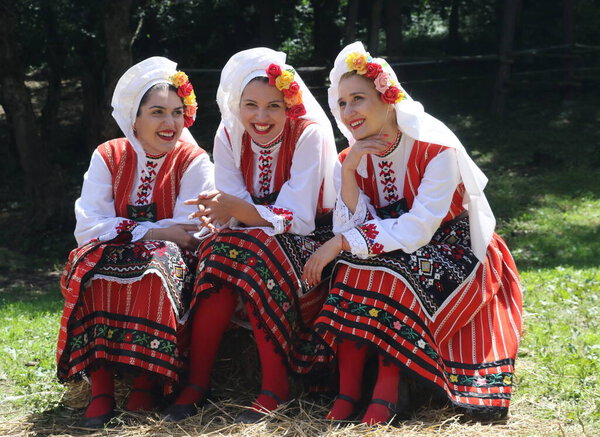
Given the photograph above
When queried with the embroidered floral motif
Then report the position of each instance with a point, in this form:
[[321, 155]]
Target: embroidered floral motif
[[120, 335], [388, 179], [126, 226], [286, 214], [147, 177], [498, 379], [385, 318], [244, 256], [265, 161], [369, 232]]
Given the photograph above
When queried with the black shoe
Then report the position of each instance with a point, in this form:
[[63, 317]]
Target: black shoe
[[251, 415], [98, 421], [179, 412], [394, 410], [351, 418]]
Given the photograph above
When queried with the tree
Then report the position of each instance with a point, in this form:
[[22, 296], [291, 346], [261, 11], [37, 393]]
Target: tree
[[374, 26], [509, 20], [393, 23], [42, 180], [351, 18], [326, 33]]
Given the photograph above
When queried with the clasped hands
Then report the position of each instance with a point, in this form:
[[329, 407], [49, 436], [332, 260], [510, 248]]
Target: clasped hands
[[215, 208]]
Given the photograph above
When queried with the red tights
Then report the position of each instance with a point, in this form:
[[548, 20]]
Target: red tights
[[211, 319], [351, 363]]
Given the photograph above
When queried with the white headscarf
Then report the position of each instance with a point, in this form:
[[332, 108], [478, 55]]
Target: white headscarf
[[416, 123], [237, 73], [129, 92]]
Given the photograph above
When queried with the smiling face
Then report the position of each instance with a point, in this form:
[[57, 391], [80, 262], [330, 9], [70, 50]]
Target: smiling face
[[361, 109], [159, 120], [262, 111]]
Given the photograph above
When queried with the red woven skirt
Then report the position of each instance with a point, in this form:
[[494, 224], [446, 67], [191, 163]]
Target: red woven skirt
[[461, 339], [126, 306], [266, 271]]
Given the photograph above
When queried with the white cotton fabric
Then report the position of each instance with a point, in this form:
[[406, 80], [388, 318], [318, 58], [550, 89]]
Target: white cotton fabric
[[239, 70], [296, 195], [95, 209], [416, 124]]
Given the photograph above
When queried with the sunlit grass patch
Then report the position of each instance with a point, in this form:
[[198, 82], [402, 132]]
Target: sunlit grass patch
[[559, 359]]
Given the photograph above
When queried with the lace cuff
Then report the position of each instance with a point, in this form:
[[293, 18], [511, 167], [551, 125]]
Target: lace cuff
[[358, 245], [344, 220], [280, 218]]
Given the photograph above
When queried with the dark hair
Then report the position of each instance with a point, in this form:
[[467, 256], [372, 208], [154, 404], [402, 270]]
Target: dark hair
[[158, 87]]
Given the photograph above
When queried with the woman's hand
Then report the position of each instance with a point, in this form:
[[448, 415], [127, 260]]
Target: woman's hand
[[319, 259], [214, 208], [177, 234], [374, 144]]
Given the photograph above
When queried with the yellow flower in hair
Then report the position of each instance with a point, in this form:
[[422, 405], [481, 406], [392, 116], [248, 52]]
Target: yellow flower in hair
[[357, 61], [284, 80], [178, 78], [190, 99]]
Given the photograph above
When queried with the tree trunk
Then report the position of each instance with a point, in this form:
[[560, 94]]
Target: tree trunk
[[53, 73], [453, 28], [42, 180], [509, 20], [266, 23], [393, 27], [569, 40], [374, 26], [351, 18], [326, 35], [118, 36]]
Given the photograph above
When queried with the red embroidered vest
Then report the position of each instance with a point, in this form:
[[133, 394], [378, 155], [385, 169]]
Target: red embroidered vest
[[121, 160], [420, 157]]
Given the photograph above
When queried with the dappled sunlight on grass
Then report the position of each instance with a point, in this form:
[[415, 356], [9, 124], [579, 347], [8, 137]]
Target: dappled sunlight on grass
[[557, 231]]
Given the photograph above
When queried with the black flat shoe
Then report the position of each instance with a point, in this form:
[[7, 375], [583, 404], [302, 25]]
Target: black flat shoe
[[179, 412], [98, 421], [251, 415], [394, 410], [352, 417]]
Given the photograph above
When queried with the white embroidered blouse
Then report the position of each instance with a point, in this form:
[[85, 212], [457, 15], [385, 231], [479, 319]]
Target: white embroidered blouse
[[296, 204], [95, 209], [411, 230]]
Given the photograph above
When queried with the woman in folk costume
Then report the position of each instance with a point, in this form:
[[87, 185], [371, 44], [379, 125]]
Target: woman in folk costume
[[127, 287], [274, 156], [422, 279]]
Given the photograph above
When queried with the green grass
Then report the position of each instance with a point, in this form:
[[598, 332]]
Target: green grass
[[28, 332]]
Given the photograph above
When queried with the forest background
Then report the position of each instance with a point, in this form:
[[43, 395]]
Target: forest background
[[518, 81]]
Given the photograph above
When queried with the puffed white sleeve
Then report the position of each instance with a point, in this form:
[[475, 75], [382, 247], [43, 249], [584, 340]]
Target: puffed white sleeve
[[296, 205], [343, 218], [95, 208], [228, 177], [415, 228]]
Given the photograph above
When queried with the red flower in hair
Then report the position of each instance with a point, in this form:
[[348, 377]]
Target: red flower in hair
[[188, 121], [373, 70], [185, 90], [292, 90], [392, 95], [296, 111], [273, 71]]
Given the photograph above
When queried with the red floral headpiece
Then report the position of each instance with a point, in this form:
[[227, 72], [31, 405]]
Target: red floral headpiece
[[284, 81], [364, 64], [185, 90]]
